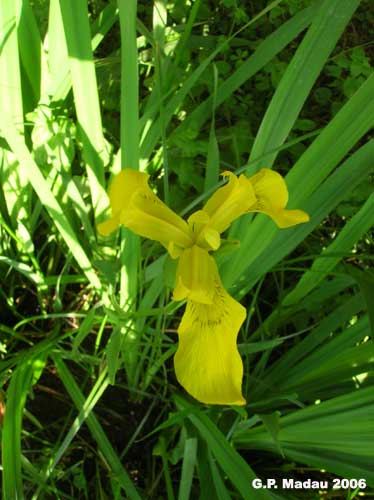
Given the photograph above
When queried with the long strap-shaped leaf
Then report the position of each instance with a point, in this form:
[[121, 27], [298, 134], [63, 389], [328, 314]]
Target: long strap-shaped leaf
[[31, 53], [264, 53], [348, 236], [301, 73], [29, 170], [78, 39], [97, 431], [340, 135], [238, 471], [154, 133], [278, 371], [130, 248], [11, 435], [325, 199], [10, 77], [60, 81], [337, 435]]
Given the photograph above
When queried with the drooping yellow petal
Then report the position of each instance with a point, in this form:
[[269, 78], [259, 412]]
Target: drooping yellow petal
[[195, 277], [134, 205], [229, 202], [271, 198], [207, 362]]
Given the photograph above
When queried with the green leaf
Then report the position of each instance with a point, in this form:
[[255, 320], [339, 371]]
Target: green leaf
[[238, 471], [365, 280], [307, 63], [97, 432], [30, 171], [354, 229], [335, 435], [18, 390], [189, 460], [86, 99]]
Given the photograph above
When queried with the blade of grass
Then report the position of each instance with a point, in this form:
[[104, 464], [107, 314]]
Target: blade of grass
[[238, 471], [360, 223], [30, 171], [17, 392], [340, 135], [301, 73], [96, 430], [219, 485], [86, 99], [212, 167], [263, 54], [188, 466], [130, 246], [88, 406]]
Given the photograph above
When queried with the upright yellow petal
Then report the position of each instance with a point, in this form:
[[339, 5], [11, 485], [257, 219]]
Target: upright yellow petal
[[271, 198], [195, 277], [204, 234], [149, 217], [122, 187], [134, 205], [229, 202], [207, 362]]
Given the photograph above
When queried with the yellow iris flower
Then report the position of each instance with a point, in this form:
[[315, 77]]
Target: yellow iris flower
[[207, 362]]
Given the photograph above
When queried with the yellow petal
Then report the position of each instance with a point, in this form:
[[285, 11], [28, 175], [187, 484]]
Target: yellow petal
[[149, 217], [135, 206], [195, 277], [271, 198], [121, 189], [229, 202], [207, 362], [204, 234], [288, 218], [123, 186], [107, 227]]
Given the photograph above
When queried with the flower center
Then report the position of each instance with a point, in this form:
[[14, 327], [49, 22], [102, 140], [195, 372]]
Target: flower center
[[204, 235]]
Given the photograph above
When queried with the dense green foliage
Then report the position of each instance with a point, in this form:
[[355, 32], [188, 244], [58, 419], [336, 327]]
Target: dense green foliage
[[184, 90]]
